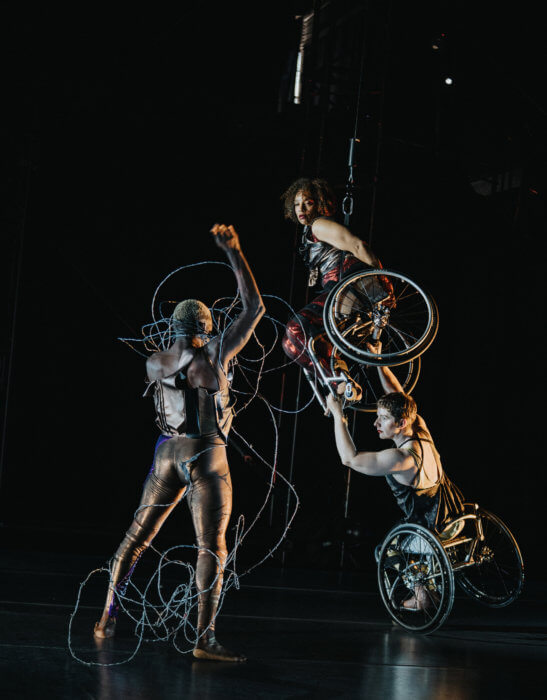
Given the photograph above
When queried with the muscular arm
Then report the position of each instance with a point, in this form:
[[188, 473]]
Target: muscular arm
[[391, 461], [238, 334], [340, 237], [388, 380]]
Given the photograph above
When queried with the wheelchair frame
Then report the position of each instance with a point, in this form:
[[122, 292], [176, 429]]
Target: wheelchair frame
[[359, 310], [415, 562]]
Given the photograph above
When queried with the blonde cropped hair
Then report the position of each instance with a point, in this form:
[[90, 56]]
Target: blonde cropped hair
[[192, 317]]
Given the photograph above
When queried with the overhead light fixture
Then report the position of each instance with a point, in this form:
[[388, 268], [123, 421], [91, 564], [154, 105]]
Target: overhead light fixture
[[305, 41]]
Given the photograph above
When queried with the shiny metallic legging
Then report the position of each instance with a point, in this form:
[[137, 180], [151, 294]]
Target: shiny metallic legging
[[197, 468]]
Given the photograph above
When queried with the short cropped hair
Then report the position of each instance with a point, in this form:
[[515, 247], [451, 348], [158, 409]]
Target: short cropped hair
[[400, 405], [192, 317], [317, 189]]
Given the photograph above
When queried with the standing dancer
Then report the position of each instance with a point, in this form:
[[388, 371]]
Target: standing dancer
[[191, 388], [331, 252]]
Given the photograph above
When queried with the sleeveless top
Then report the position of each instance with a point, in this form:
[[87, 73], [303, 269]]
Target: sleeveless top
[[431, 507], [323, 260], [191, 412]]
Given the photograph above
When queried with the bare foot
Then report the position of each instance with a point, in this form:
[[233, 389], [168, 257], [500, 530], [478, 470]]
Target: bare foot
[[105, 630], [212, 650]]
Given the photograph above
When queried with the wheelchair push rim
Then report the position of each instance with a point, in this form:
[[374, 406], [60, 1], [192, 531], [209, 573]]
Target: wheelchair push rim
[[410, 557], [385, 305]]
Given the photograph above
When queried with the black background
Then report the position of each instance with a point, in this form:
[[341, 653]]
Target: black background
[[131, 130]]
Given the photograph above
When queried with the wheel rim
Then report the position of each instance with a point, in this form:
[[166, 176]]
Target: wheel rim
[[359, 306], [496, 579], [411, 557]]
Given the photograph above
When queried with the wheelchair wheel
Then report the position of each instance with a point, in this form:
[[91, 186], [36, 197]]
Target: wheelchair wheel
[[497, 577], [367, 378], [385, 305], [412, 562]]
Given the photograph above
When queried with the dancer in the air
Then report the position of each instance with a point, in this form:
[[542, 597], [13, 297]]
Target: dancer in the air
[[331, 252]]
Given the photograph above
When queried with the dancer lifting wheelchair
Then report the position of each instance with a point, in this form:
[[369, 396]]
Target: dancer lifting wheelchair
[[358, 303], [442, 539]]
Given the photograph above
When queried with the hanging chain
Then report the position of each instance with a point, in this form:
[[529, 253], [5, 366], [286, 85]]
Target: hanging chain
[[348, 201]]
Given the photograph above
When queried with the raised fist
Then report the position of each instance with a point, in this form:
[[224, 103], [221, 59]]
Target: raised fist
[[225, 237]]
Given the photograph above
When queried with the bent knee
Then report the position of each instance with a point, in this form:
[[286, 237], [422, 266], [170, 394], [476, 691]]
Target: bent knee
[[292, 345]]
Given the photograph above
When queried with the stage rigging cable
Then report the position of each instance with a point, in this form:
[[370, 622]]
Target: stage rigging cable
[[347, 210]]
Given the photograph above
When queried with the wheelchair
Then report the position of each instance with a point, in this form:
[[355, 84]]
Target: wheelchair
[[476, 551], [363, 308]]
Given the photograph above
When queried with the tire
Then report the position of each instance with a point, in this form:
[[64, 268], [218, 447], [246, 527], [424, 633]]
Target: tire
[[410, 557], [497, 577], [387, 304]]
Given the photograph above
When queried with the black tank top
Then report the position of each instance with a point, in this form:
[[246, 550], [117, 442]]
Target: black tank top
[[323, 260], [431, 507]]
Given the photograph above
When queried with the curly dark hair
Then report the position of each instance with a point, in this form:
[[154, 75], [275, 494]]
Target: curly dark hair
[[400, 406], [317, 189]]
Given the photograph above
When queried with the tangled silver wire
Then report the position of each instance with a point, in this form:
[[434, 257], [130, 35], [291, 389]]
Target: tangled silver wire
[[170, 617]]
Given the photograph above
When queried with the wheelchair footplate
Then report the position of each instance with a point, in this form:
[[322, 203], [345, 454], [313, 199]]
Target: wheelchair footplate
[[321, 380]]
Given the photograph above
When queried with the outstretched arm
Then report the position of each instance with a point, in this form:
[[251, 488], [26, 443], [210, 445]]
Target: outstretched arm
[[390, 383], [372, 463], [388, 380], [344, 442], [340, 237], [237, 335]]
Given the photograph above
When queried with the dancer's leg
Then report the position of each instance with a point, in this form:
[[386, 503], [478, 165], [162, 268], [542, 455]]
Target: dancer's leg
[[210, 502], [162, 491], [308, 323]]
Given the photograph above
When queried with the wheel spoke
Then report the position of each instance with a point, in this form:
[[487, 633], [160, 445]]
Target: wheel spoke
[[423, 575], [393, 333], [401, 296], [496, 578], [400, 337]]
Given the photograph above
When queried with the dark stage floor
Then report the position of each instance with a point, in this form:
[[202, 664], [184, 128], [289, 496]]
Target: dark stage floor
[[307, 634]]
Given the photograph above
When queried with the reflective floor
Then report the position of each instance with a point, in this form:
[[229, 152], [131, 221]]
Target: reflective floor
[[307, 634]]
